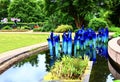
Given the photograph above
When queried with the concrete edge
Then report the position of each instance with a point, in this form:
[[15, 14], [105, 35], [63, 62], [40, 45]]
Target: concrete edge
[[88, 72], [9, 62], [13, 53], [113, 44]]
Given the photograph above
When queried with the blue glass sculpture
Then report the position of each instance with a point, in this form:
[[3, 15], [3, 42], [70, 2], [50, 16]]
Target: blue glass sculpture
[[69, 45], [57, 46], [64, 43], [86, 42], [50, 46], [103, 34]]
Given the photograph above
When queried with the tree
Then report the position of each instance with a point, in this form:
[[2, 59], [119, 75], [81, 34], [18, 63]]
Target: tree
[[115, 16], [26, 10], [78, 9], [3, 8]]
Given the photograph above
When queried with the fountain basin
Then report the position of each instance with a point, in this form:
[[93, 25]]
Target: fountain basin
[[114, 54]]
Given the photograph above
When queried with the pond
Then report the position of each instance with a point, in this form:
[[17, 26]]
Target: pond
[[31, 69], [100, 71], [35, 67]]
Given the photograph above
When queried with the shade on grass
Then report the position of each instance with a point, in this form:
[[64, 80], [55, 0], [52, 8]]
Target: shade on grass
[[13, 41]]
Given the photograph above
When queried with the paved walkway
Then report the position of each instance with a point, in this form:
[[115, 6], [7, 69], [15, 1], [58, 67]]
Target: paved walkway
[[31, 32]]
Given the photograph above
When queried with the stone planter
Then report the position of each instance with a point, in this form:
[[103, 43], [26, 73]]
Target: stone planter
[[114, 54]]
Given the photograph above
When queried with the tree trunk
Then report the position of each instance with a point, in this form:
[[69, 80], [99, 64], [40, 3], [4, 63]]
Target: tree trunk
[[79, 21]]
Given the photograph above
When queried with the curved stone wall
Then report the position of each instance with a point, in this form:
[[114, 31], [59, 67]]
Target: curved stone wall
[[114, 54], [118, 42]]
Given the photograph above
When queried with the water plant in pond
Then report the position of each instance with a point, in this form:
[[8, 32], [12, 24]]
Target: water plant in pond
[[68, 68]]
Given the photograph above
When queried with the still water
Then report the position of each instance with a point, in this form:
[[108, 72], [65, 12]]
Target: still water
[[34, 68], [31, 69]]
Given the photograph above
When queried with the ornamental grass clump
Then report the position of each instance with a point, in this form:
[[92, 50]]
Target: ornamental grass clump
[[69, 68]]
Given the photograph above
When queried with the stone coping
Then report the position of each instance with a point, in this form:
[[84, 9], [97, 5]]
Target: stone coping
[[118, 42], [114, 53], [13, 53], [113, 71], [113, 44]]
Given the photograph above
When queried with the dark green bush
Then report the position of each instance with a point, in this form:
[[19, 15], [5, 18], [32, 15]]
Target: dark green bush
[[37, 29], [64, 28], [6, 28], [97, 23], [25, 27], [19, 24]]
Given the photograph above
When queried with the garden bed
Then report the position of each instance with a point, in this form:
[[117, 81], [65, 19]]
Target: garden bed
[[14, 30], [68, 69]]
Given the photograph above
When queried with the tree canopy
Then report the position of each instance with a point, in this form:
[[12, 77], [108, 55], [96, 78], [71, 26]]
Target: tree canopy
[[78, 9], [26, 10], [3, 8]]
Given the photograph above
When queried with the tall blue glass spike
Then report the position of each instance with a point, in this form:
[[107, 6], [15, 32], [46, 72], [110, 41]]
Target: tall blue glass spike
[[57, 46], [69, 46], [106, 34], [64, 43], [75, 45], [50, 46]]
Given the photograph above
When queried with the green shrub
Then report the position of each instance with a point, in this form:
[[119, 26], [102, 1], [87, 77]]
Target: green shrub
[[114, 29], [64, 28], [37, 29], [116, 81], [117, 34], [6, 28], [25, 28], [97, 23], [68, 68]]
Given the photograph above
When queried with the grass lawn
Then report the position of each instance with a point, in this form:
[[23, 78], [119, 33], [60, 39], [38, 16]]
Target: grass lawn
[[10, 41]]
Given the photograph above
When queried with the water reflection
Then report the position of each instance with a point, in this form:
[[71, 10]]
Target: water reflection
[[31, 69]]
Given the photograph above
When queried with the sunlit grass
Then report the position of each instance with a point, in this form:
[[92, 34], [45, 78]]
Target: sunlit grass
[[12, 41]]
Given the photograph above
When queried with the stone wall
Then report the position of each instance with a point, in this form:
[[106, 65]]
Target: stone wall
[[114, 54]]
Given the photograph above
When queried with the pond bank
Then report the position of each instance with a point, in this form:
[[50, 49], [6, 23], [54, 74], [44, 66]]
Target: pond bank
[[9, 58]]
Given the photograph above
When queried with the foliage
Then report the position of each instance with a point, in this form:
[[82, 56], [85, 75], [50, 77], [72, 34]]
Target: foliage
[[69, 68], [75, 8], [114, 29], [56, 19], [97, 23], [26, 10], [6, 28], [4, 4], [37, 29], [31, 25], [16, 40], [25, 27], [115, 16], [117, 34], [104, 14], [64, 28], [116, 80]]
